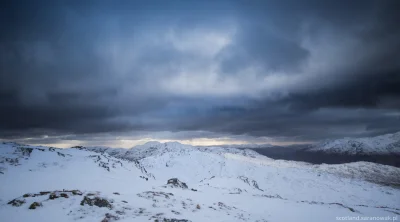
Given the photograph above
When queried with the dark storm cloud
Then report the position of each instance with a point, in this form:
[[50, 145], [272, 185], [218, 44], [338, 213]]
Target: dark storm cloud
[[287, 70], [377, 90], [250, 49]]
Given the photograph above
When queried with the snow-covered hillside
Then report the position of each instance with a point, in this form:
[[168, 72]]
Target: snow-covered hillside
[[155, 148], [175, 182], [384, 144]]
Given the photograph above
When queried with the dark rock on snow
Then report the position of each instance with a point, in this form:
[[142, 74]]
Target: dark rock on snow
[[34, 205], [16, 202], [109, 217], [96, 201], [172, 220], [53, 196], [177, 183]]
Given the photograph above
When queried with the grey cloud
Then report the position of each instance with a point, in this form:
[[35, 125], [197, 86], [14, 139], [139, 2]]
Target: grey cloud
[[94, 68], [258, 46]]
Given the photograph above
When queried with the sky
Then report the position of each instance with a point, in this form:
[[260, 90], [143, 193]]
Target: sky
[[120, 73]]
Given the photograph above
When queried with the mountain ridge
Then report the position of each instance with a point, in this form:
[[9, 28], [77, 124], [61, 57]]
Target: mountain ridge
[[382, 144]]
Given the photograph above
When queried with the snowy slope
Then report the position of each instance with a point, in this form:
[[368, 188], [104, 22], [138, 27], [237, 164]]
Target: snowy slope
[[384, 144], [222, 185]]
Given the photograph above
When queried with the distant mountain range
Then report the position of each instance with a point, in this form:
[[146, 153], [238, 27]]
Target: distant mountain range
[[379, 145]]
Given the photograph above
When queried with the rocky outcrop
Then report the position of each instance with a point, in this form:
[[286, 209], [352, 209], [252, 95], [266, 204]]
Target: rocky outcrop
[[252, 183], [25, 151], [174, 182], [17, 202], [52, 195], [96, 201], [34, 205]]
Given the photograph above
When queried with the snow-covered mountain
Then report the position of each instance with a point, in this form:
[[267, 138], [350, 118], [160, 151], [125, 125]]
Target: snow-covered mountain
[[245, 146], [384, 144], [175, 182], [155, 148]]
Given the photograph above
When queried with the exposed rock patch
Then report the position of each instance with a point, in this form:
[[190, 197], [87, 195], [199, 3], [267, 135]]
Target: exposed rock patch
[[152, 194], [109, 217], [63, 155], [238, 191], [171, 220], [53, 196], [24, 151], [174, 182], [17, 202], [34, 205], [96, 201], [276, 196], [145, 178], [143, 169], [76, 192], [252, 183], [105, 162]]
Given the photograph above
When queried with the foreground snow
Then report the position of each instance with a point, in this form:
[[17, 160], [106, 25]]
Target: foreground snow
[[222, 185]]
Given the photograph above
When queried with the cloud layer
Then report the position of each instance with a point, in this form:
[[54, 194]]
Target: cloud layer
[[263, 70]]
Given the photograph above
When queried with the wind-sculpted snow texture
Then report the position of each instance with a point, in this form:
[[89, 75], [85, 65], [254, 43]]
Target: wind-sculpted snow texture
[[175, 182]]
